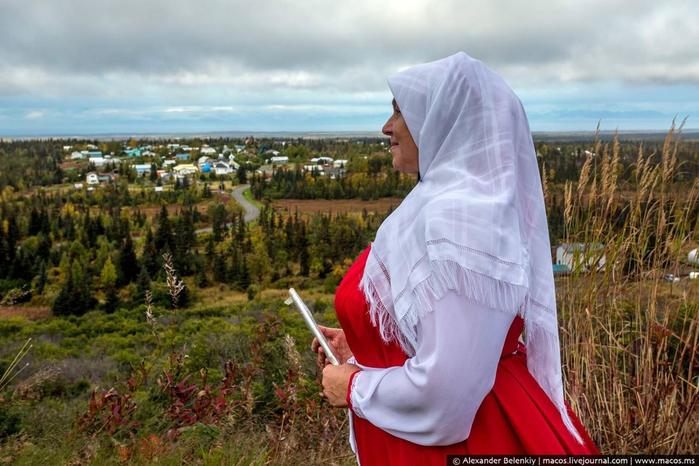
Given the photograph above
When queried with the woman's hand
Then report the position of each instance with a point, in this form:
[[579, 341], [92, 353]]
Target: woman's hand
[[336, 339], [335, 383]]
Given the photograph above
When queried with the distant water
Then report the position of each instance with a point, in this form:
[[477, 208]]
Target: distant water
[[562, 136]]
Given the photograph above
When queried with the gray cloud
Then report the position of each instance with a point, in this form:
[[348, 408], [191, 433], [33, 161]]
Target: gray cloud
[[315, 63], [344, 46]]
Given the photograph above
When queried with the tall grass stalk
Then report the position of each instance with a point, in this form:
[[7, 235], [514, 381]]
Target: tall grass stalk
[[629, 340], [11, 372]]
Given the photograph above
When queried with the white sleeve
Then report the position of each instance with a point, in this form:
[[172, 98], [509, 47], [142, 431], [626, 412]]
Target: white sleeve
[[432, 399]]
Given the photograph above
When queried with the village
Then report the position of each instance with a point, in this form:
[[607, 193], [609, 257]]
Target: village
[[167, 163]]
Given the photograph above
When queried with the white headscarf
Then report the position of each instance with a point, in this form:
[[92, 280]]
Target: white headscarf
[[475, 223]]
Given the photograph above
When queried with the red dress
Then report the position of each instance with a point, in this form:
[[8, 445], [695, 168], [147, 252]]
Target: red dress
[[516, 417]]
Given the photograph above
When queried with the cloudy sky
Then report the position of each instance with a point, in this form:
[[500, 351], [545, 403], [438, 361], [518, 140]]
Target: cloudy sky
[[140, 66]]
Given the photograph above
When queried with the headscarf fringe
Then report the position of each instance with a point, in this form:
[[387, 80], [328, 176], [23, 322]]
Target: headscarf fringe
[[545, 369], [447, 275]]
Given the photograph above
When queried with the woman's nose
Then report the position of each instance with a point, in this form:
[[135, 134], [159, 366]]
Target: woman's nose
[[387, 128]]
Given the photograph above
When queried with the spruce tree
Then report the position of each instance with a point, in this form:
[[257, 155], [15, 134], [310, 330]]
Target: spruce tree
[[150, 258], [220, 272], [163, 233], [242, 175], [142, 285], [128, 263]]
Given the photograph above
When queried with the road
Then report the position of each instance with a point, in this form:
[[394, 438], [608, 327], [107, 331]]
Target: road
[[251, 211]]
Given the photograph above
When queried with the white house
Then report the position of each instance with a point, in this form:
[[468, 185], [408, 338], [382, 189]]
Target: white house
[[203, 160], [340, 163], [272, 152], [77, 155], [185, 169], [142, 168], [168, 163], [222, 168], [98, 161], [233, 163], [279, 160], [310, 168], [92, 178], [322, 160], [581, 256], [206, 150]]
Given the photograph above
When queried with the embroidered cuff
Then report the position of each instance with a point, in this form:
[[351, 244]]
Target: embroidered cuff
[[350, 389]]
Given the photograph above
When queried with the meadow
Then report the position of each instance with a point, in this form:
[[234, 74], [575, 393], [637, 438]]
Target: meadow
[[193, 357]]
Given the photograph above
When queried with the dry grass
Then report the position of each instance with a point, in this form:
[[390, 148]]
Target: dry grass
[[27, 312], [311, 206], [630, 340]]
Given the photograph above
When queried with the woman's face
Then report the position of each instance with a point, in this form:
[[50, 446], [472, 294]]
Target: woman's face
[[403, 148]]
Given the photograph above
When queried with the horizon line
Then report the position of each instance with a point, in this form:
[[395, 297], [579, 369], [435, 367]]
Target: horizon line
[[300, 134]]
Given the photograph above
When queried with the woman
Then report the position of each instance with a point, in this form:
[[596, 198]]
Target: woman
[[432, 310]]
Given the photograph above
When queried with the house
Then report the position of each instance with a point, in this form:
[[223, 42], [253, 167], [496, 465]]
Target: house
[[78, 185], [233, 163], [164, 175], [135, 152], [206, 150], [142, 168], [581, 256], [340, 163], [279, 160], [272, 152], [182, 156], [168, 163], [310, 168], [98, 161], [322, 160], [693, 256], [77, 155], [92, 153], [239, 148], [147, 153], [333, 172], [222, 168], [67, 148], [184, 170], [92, 178]]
